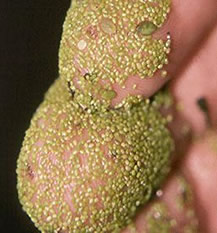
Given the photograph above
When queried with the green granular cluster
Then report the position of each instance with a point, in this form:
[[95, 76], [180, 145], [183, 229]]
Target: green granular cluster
[[88, 172], [84, 167], [107, 42]]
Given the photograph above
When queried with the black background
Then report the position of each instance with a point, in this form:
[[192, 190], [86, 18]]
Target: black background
[[30, 32]]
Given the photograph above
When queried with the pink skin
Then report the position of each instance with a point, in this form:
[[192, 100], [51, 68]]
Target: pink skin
[[198, 80], [200, 167]]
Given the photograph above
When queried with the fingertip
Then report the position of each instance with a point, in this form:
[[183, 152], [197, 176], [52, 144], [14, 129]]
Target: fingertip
[[135, 86]]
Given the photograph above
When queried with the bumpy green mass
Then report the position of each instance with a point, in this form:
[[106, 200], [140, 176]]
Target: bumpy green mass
[[105, 43], [88, 172], [84, 167]]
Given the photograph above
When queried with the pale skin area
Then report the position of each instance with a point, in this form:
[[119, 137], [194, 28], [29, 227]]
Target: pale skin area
[[197, 80]]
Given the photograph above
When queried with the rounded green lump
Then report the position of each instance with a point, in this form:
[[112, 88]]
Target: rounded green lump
[[88, 172]]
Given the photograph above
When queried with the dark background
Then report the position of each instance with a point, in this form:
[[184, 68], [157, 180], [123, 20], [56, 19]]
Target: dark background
[[30, 32]]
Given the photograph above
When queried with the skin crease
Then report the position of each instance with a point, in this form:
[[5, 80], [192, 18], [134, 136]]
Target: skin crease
[[182, 45]]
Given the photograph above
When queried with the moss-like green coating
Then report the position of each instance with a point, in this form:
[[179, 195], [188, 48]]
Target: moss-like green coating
[[112, 41], [83, 167], [88, 172]]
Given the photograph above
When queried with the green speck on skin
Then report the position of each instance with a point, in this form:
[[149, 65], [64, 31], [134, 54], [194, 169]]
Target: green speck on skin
[[159, 220], [185, 198], [146, 28], [108, 26], [108, 94]]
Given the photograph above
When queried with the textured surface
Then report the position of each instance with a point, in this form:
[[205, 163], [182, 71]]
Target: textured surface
[[89, 172], [84, 167], [107, 43]]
